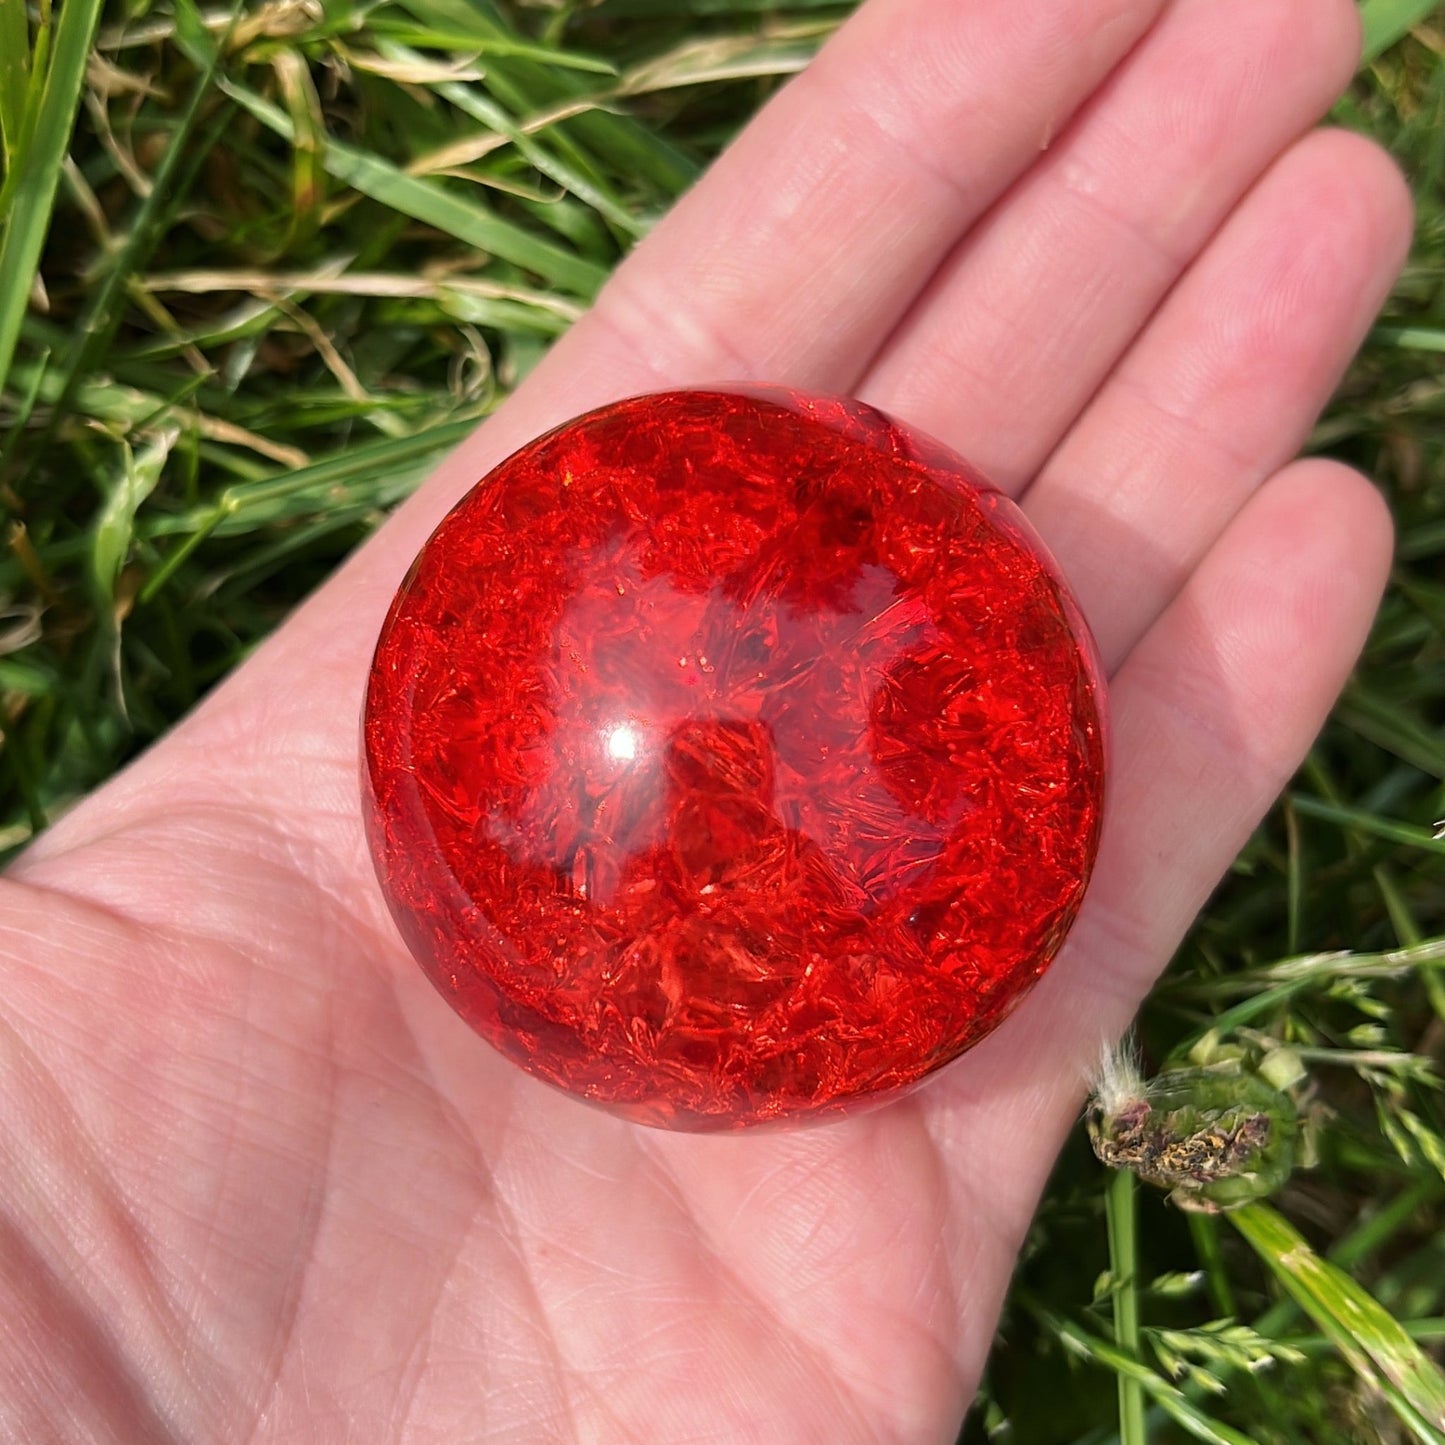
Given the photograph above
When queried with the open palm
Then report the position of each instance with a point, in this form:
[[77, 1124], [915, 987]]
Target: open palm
[[260, 1184]]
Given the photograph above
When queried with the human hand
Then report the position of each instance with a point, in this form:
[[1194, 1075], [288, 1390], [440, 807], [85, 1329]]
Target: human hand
[[260, 1182]]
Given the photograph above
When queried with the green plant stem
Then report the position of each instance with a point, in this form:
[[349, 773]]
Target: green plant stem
[[1119, 1206], [1204, 1228]]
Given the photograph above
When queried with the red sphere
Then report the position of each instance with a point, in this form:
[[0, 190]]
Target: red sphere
[[733, 755]]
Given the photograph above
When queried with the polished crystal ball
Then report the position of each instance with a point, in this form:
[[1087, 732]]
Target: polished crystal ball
[[733, 756]]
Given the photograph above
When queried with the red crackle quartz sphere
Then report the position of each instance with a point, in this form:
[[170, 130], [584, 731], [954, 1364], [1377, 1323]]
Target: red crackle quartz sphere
[[733, 755]]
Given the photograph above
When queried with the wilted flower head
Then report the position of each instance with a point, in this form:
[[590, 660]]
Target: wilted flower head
[[1215, 1136]]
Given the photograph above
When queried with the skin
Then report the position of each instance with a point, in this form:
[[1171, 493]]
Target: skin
[[259, 1184]]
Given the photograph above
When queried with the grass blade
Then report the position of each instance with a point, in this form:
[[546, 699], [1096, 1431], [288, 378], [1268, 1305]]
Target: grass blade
[[1410, 338], [38, 170], [273, 497], [14, 74], [1377, 1348], [568, 176], [102, 316], [465, 43], [1394, 730], [1369, 823], [525, 87], [1387, 21], [1168, 1397], [114, 527], [435, 205]]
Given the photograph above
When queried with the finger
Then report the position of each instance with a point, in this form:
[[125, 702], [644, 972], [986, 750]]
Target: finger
[[810, 237], [1024, 321], [812, 234], [1211, 713], [1224, 385]]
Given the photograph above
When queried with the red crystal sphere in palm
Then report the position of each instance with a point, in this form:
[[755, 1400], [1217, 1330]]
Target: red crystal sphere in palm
[[732, 756]]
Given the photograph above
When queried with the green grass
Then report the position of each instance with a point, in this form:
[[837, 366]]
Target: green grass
[[285, 259], [1326, 938]]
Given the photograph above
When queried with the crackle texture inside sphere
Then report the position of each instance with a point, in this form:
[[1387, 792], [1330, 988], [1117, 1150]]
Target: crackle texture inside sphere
[[733, 756]]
